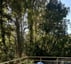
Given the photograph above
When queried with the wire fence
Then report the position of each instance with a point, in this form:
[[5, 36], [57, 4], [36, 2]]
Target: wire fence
[[42, 59]]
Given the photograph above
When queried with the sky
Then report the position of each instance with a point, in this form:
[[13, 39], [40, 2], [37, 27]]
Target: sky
[[68, 4]]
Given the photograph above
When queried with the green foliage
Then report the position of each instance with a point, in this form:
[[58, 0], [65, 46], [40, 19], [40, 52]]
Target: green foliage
[[44, 33], [55, 26], [28, 61]]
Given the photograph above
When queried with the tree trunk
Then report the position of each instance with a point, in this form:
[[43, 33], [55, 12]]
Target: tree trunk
[[19, 43]]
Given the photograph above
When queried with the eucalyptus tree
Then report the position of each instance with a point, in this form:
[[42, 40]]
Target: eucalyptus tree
[[18, 11]]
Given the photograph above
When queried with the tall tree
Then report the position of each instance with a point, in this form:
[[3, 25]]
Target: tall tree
[[4, 18], [54, 25], [35, 9], [17, 13]]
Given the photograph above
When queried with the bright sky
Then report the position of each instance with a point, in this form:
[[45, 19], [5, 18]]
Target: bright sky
[[68, 4]]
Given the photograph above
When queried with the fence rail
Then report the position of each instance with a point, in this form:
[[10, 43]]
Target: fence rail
[[49, 60]]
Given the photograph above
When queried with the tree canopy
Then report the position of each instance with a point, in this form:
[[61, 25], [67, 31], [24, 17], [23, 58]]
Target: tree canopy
[[33, 28]]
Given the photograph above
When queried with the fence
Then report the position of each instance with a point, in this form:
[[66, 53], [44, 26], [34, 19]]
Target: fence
[[43, 59]]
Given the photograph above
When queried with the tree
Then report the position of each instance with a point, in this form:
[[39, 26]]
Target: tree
[[17, 14], [4, 32], [46, 29], [55, 27]]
